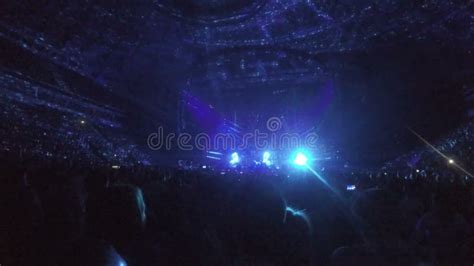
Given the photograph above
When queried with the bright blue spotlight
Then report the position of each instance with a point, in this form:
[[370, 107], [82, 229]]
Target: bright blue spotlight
[[234, 158], [266, 158], [300, 159]]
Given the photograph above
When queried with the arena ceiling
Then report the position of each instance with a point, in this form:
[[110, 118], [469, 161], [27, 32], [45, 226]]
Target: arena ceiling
[[374, 52]]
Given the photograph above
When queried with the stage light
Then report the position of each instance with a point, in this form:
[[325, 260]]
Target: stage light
[[300, 159], [83, 122], [451, 161], [266, 158], [234, 158]]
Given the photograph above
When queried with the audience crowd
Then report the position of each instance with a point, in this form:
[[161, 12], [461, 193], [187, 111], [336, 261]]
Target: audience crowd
[[55, 212]]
